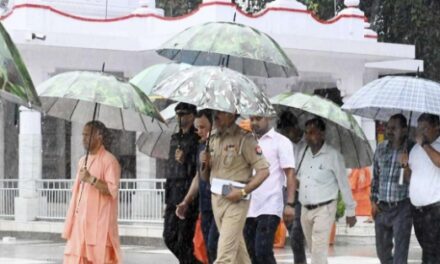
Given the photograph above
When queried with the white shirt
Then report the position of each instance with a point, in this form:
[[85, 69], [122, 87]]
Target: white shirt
[[322, 175], [424, 187], [268, 197]]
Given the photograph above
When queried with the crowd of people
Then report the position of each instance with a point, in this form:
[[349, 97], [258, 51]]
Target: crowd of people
[[243, 183]]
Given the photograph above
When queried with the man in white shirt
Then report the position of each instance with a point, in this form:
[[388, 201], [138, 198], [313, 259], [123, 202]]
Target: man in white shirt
[[424, 188], [267, 201], [322, 175]]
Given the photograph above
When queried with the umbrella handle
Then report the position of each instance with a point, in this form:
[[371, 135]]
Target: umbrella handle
[[91, 134]]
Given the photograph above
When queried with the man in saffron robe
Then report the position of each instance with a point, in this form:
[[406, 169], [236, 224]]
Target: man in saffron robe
[[91, 227]]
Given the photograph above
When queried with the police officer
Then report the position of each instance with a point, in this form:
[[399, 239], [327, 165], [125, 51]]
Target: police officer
[[232, 157], [180, 170]]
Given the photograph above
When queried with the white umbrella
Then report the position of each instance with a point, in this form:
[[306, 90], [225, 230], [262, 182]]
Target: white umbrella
[[384, 97]]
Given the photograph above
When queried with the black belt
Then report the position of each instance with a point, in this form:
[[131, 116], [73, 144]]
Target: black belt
[[427, 207], [314, 206], [388, 205]]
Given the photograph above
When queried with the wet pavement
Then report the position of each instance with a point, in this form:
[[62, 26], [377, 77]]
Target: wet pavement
[[47, 252]]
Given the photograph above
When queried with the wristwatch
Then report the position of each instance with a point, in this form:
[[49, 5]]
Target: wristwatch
[[243, 193]]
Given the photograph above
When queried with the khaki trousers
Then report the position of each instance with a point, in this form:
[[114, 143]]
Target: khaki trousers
[[317, 224], [230, 219]]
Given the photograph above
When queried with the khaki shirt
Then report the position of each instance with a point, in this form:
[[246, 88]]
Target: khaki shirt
[[234, 154]]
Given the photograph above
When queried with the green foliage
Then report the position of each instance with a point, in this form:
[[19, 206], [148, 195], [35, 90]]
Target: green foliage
[[340, 207], [324, 9], [175, 8], [415, 22]]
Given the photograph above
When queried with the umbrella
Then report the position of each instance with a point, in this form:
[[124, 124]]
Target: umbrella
[[157, 144], [15, 83], [384, 97], [82, 96], [153, 75], [239, 47], [216, 88], [342, 130]]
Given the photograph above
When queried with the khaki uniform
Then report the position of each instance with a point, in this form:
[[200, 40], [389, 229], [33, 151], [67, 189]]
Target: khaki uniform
[[234, 154]]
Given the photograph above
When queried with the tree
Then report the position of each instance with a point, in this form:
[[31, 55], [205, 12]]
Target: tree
[[173, 8], [415, 22]]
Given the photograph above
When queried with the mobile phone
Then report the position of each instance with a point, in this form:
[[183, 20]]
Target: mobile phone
[[226, 189]]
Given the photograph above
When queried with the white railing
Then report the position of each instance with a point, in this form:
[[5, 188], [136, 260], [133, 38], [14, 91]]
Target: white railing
[[53, 198], [8, 192], [139, 200]]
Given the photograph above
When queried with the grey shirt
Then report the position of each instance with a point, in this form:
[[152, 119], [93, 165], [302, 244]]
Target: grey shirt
[[322, 175]]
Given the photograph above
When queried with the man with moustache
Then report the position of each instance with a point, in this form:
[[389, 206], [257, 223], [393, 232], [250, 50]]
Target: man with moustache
[[322, 175], [232, 156], [390, 205], [267, 201]]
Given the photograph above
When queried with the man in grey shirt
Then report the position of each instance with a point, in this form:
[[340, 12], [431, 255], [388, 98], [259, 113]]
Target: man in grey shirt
[[321, 176]]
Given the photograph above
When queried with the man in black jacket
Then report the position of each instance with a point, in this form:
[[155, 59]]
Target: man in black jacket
[[180, 170]]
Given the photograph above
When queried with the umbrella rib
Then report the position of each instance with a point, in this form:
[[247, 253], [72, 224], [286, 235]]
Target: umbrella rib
[[122, 119], [155, 143], [73, 110], [285, 71], [266, 68], [197, 56], [172, 57], [377, 113], [143, 123], [50, 108]]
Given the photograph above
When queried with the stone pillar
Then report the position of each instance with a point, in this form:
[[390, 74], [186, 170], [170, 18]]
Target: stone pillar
[[30, 165]]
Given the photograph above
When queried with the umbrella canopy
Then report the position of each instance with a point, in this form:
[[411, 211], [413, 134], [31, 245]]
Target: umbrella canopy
[[384, 97], [15, 83], [73, 96], [342, 130], [216, 88], [157, 144], [153, 75], [239, 47]]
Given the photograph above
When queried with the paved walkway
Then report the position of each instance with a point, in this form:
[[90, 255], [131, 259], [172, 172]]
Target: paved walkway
[[48, 252]]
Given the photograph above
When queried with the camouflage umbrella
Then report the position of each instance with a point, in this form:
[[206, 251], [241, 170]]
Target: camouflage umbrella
[[342, 130], [15, 83], [236, 46], [216, 88], [153, 75], [82, 96]]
